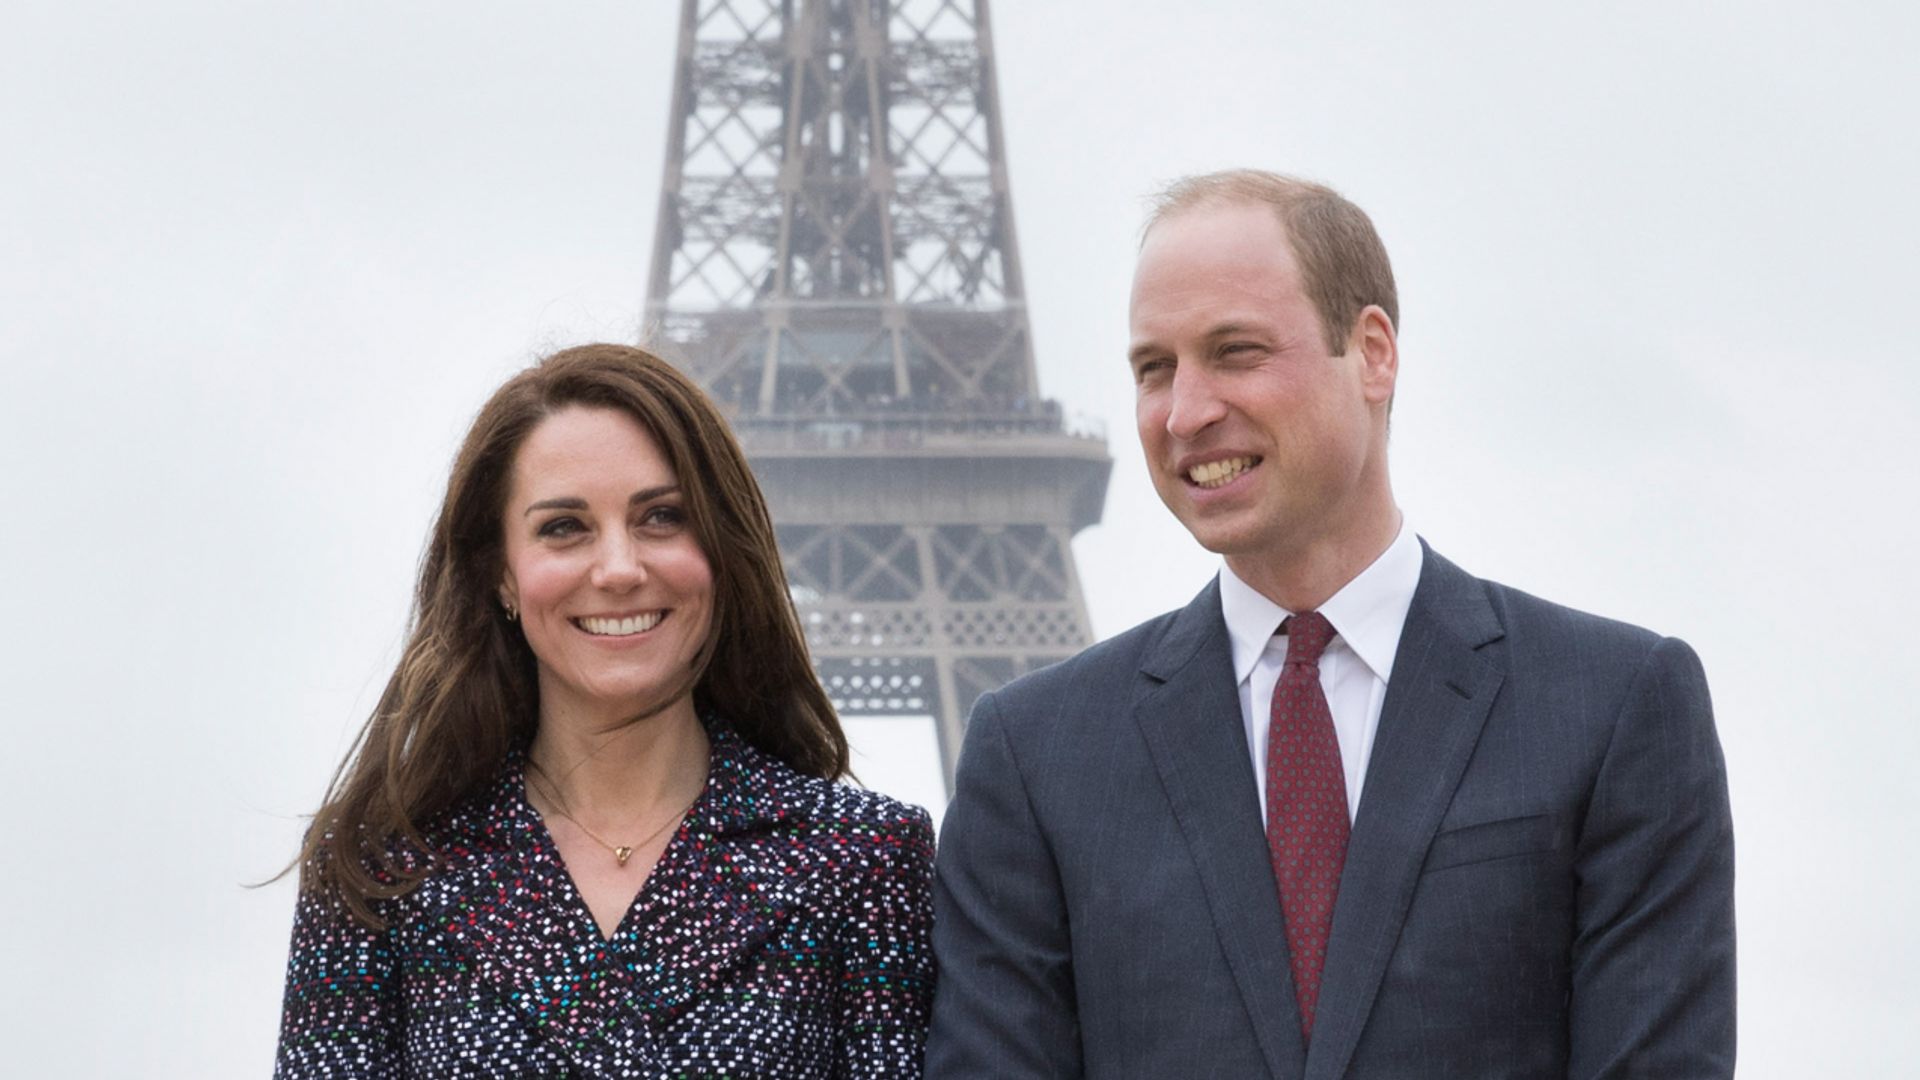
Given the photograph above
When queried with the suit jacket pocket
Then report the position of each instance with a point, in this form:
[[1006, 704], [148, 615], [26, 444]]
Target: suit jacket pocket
[[1491, 840]]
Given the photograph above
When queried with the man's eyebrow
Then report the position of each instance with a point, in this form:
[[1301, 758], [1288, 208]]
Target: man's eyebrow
[[1228, 329], [1225, 329], [574, 502]]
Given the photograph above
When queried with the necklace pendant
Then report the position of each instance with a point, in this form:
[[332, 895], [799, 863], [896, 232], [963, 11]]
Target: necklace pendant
[[623, 854]]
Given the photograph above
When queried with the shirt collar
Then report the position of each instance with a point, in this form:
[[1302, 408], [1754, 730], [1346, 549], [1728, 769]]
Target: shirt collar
[[1368, 612]]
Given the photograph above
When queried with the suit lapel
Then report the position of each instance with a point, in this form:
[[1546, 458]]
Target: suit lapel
[[1437, 701], [1188, 712]]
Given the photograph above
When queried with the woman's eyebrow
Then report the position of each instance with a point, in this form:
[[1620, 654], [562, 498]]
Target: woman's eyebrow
[[574, 502], [568, 502], [649, 494]]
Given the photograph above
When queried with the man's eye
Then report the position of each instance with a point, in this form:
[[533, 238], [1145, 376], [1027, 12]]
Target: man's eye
[[560, 528]]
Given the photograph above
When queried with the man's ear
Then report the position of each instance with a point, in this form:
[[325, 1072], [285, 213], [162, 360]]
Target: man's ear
[[1373, 335]]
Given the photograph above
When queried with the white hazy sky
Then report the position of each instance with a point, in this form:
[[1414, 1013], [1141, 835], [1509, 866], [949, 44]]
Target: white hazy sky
[[260, 262]]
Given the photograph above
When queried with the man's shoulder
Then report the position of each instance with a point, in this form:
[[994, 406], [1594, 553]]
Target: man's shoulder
[[1527, 617], [1543, 636], [1100, 672]]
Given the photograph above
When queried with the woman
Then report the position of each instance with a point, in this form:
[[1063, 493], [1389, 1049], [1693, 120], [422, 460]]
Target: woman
[[590, 829]]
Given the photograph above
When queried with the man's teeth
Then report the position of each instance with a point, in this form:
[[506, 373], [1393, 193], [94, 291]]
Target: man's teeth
[[1215, 473], [632, 624]]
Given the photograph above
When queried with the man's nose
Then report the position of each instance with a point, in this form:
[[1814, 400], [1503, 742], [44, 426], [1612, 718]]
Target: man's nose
[[1193, 402]]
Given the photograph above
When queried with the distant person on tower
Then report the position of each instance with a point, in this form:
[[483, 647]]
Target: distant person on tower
[[1352, 812]]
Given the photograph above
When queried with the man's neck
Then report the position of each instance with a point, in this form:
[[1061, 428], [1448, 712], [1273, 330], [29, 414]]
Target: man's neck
[[1306, 579]]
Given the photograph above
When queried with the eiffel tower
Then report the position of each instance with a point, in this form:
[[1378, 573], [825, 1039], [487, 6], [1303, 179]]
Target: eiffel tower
[[835, 261]]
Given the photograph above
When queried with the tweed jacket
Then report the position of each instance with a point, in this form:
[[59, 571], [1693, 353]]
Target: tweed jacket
[[783, 933]]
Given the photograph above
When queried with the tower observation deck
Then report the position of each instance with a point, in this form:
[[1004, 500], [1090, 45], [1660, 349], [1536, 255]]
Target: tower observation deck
[[835, 261]]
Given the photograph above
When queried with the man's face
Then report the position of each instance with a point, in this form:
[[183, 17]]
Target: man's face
[[1264, 444]]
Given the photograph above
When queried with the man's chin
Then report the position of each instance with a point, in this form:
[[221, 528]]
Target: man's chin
[[1222, 528], [1220, 537]]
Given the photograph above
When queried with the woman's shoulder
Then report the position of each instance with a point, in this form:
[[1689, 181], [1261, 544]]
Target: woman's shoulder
[[476, 823], [871, 850], [819, 807], [856, 808]]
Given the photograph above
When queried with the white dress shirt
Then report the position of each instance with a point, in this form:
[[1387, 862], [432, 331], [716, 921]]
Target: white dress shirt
[[1367, 615]]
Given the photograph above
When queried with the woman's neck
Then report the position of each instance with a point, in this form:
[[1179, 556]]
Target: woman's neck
[[614, 774]]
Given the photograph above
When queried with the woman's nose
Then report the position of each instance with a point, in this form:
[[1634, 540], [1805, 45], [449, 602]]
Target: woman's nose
[[620, 565]]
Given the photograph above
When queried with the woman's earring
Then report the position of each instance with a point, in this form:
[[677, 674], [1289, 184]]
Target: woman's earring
[[513, 613]]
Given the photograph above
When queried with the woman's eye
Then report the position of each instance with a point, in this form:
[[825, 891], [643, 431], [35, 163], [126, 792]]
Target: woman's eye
[[560, 528], [663, 516]]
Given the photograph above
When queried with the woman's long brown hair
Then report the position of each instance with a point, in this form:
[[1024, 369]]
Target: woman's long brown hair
[[465, 693]]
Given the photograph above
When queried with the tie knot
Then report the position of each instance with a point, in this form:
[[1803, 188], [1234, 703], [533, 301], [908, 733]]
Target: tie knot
[[1307, 636]]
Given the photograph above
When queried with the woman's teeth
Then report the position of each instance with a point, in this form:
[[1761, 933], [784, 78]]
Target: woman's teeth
[[632, 624]]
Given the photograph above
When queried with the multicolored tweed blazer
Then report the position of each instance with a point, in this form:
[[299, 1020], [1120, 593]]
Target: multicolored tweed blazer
[[783, 933]]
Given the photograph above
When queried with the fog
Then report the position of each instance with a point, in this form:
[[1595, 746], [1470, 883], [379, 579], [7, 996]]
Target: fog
[[262, 262]]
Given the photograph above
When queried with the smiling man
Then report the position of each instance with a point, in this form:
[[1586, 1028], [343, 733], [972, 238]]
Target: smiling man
[[1352, 812]]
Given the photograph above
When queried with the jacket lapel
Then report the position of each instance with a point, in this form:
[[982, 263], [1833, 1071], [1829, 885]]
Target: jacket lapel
[[720, 890], [1188, 711], [1437, 701], [729, 888], [555, 972]]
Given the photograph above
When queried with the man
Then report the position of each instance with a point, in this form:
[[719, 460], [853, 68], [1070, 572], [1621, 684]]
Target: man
[[1352, 812]]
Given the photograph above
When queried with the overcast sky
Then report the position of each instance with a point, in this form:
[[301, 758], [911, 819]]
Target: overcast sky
[[260, 263]]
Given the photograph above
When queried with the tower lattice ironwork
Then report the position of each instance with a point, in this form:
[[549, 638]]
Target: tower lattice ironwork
[[835, 261]]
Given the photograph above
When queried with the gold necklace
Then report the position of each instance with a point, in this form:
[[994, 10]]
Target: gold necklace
[[622, 852]]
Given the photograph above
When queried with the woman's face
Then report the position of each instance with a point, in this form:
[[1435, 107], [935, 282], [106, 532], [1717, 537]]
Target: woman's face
[[614, 594]]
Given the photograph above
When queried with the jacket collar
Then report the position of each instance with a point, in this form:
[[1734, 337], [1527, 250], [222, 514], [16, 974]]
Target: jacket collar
[[743, 794], [747, 791]]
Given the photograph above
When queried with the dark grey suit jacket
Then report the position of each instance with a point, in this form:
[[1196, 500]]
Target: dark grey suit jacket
[[1539, 881]]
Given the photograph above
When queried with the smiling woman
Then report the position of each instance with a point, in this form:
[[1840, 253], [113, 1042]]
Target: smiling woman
[[592, 826], [608, 581]]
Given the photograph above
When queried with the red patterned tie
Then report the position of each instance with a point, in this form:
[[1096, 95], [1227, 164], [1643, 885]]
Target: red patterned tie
[[1306, 806]]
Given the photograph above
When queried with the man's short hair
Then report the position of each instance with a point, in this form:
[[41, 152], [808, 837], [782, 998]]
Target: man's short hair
[[1342, 261]]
